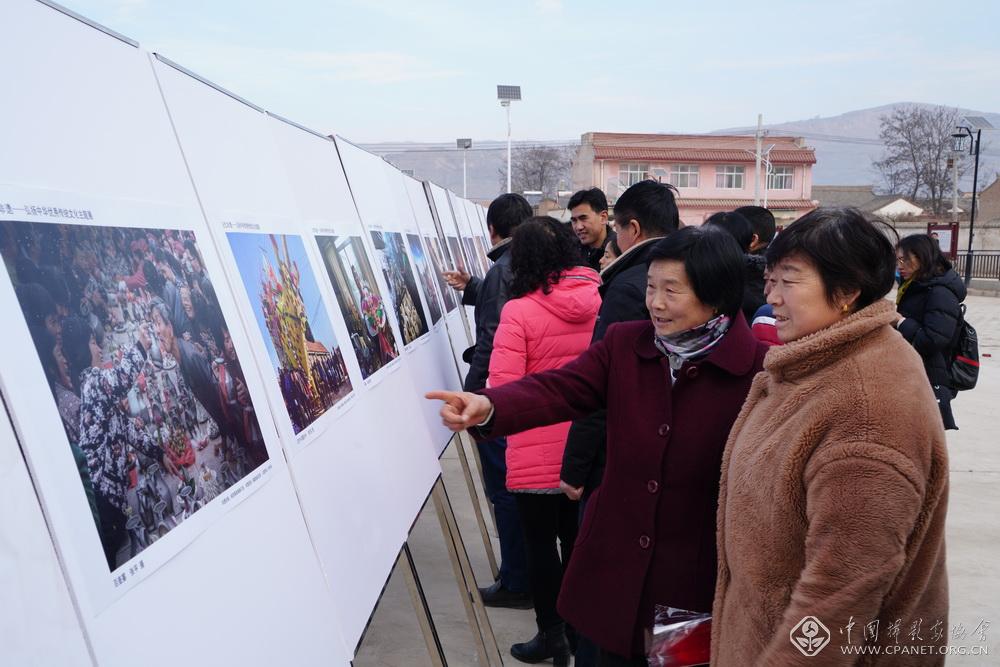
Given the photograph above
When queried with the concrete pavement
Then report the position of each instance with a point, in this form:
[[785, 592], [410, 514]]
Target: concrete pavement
[[394, 640]]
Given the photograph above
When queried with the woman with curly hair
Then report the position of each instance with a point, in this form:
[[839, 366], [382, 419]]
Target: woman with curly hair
[[547, 323]]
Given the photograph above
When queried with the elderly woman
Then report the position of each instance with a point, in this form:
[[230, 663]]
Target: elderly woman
[[672, 387], [834, 483]]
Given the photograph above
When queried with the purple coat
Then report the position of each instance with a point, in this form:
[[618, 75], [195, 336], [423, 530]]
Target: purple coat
[[648, 535]]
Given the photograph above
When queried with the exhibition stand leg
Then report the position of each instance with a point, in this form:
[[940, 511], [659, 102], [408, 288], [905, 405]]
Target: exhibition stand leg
[[479, 620], [459, 440], [427, 629]]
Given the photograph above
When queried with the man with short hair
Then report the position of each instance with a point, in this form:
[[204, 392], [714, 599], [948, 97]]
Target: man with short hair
[[588, 210], [489, 295], [763, 225], [644, 214]]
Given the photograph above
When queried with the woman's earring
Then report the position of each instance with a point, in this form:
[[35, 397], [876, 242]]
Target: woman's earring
[[846, 308]]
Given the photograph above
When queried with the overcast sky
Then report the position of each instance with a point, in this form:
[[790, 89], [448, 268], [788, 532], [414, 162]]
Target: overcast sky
[[378, 70]]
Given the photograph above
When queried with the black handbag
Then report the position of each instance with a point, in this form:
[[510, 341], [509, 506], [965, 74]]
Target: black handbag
[[963, 367]]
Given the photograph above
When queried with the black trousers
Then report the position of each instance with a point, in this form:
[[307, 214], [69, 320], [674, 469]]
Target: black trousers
[[546, 518], [112, 529]]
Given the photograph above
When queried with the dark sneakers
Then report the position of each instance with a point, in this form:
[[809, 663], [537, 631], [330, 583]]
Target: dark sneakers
[[551, 643], [498, 596]]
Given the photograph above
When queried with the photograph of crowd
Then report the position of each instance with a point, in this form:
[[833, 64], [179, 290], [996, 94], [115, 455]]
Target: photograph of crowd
[[307, 361], [481, 253], [424, 271], [142, 369], [360, 301], [437, 260], [390, 253]]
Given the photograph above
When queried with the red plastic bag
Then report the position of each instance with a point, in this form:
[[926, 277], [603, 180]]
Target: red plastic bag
[[680, 638]]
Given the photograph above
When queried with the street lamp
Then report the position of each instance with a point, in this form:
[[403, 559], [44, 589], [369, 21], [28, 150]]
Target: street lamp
[[465, 145], [506, 95], [961, 132]]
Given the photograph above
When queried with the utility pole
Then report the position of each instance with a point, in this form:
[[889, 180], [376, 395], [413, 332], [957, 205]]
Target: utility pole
[[759, 136]]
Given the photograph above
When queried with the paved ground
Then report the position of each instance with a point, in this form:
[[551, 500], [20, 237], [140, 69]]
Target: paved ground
[[394, 640]]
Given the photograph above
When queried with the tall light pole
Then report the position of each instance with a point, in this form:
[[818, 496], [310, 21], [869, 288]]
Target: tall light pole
[[961, 132], [465, 145], [506, 95]]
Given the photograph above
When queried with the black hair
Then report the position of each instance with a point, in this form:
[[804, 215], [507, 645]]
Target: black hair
[[541, 249], [154, 279], [927, 252], [52, 280], [848, 250], [76, 335], [652, 205], [593, 197], [735, 224], [713, 263], [507, 212], [761, 220], [36, 303], [615, 248]]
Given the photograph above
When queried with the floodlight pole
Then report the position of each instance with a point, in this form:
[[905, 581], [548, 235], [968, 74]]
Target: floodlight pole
[[465, 176], [506, 105]]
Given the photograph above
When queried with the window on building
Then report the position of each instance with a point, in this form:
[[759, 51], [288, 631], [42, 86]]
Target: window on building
[[684, 175], [630, 173], [729, 176], [780, 178]]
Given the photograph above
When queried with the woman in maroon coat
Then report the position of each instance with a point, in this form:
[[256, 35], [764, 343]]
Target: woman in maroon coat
[[672, 388]]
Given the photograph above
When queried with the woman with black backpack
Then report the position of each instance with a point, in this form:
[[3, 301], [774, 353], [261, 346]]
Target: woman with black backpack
[[930, 312]]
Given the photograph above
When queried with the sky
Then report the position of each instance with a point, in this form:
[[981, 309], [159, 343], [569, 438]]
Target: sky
[[248, 250], [380, 70]]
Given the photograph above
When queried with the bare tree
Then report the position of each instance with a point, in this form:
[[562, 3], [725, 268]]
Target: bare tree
[[538, 168], [918, 144]]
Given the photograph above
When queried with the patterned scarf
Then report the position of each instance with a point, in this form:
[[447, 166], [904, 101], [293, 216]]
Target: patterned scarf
[[693, 343]]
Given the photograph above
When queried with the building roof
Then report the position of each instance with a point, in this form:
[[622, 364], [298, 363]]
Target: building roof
[[730, 204], [695, 147], [315, 347], [843, 195]]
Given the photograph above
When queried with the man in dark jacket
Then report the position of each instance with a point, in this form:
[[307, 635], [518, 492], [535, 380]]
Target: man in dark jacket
[[644, 213], [741, 229], [488, 296], [588, 210]]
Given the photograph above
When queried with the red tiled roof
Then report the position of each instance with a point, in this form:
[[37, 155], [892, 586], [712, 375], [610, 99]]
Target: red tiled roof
[[730, 204], [315, 347], [681, 154]]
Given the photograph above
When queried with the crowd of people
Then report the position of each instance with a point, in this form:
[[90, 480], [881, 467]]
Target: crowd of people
[[142, 369], [722, 420]]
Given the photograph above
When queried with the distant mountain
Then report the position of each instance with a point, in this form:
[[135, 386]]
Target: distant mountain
[[846, 145]]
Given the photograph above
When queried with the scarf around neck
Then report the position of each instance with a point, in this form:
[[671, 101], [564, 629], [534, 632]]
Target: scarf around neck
[[692, 343]]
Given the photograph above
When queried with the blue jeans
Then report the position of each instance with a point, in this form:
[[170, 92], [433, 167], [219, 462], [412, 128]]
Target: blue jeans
[[513, 559]]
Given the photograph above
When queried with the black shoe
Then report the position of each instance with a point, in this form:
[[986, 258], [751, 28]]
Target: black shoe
[[551, 643], [498, 596]]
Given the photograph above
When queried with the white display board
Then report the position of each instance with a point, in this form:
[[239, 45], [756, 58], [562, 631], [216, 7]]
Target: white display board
[[362, 490], [449, 243], [101, 177], [37, 610]]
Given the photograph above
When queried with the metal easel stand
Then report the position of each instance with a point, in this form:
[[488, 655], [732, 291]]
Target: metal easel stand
[[459, 441], [434, 649], [479, 620]]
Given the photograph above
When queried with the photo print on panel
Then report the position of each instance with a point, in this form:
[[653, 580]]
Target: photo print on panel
[[142, 369], [306, 357], [390, 253], [360, 301]]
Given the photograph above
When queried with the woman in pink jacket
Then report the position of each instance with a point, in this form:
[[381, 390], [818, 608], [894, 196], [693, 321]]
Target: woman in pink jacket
[[547, 323]]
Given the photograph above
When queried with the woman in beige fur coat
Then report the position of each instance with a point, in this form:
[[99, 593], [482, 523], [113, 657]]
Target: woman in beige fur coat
[[835, 478]]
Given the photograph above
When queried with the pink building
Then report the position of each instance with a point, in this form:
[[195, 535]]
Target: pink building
[[711, 172]]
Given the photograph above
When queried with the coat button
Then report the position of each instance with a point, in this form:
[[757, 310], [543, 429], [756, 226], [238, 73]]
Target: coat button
[[664, 429], [691, 372], [652, 486], [644, 541]]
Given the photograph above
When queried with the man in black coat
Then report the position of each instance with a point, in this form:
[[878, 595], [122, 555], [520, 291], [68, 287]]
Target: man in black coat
[[488, 296], [644, 214]]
